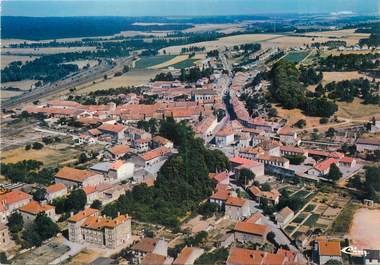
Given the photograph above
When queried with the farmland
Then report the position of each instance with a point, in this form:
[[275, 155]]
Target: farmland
[[7, 59], [43, 51], [149, 61], [296, 57]]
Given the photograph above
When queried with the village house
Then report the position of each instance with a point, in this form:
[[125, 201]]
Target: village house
[[72, 177], [224, 137], [239, 163], [148, 246], [155, 259], [135, 134], [269, 197], [220, 196], [11, 201], [141, 145], [154, 156], [88, 227], [188, 256], [327, 250], [30, 211], [293, 151], [158, 141], [117, 151], [284, 216], [116, 131], [205, 128], [239, 256], [55, 191], [251, 152], [288, 136], [204, 95], [237, 208], [116, 171], [245, 232], [348, 162], [221, 177], [322, 168], [276, 161], [91, 194], [367, 145]]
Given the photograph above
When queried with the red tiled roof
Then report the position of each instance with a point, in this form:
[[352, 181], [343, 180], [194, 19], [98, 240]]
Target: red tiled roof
[[120, 149], [74, 174], [329, 248], [241, 256], [35, 208], [219, 176], [160, 151], [251, 228], [55, 187], [221, 194], [83, 214], [325, 164], [153, 259], [115, 128], [235, 201], [146, 245], [14, 197]]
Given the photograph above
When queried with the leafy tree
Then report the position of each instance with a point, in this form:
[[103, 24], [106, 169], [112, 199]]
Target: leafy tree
[[39, 194], [41, 229], [333, 262], [330, 132], [96, 204], [295, 159], [15, 222], [3, 258], [37, 146], [300, 123], [82, 158], [218, 256], [334, 173], [76, 201], [208, 209], [246, 175]]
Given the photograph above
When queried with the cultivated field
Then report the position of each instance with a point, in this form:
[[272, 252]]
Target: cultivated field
[[174, 60], [340, 76], [347, 35], [83, 63], [24, 85], [7, 59], [357, 110], [365, 232], [296, 57], [222, 42], [135, 77], [149, 61], [50, 50], [286, 42], [225, 28], [49, 155], [5, 94]]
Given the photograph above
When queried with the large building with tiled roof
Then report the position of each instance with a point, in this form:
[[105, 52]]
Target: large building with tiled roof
[[72, 177], [30, 211], [188, 255], [250, 232], [237, 208], [11, 201], [239, 256], [89, 227], [55, 191]]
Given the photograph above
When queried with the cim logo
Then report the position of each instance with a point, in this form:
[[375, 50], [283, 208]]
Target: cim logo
[[354, 251]]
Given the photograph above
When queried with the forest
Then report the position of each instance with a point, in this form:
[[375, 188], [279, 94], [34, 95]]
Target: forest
[[182, 182]]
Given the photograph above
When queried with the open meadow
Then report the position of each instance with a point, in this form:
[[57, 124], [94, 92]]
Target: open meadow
[[356, 110], [365, 232], [7, 59], [42, 51]]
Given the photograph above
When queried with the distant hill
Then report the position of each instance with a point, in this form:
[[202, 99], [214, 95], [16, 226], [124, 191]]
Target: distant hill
[[41, 28]]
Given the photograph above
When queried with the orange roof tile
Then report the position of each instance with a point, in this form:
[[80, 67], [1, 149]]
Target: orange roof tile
[[83, 214], [251, 228], [99, 222], [14, 196], [221, 194], [153, 259], [254, 257], [55, 187], [89, 189], [120, 149], [155, 153], [35, 208], [146, 245], [74, 174], [235, 201], [183, 256], [329, 248], [116, 128], [325, 164]]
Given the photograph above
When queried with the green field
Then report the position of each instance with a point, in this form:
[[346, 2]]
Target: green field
[[299, 218], [310, 208], [311, 220], [295, 57], [149, 61], [184, 64], [289, 229]]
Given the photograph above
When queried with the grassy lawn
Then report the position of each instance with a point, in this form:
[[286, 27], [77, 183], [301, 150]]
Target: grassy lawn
[[149, 61], [299, 218], [184, 64], [311, 220], [295, 57], [343, 222], [310, 208], [300, 194], [289, 229]]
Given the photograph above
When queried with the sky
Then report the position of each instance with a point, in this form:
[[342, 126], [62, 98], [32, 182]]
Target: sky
[[183, 7]]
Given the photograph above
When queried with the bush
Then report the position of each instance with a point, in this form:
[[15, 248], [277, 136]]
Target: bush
[[323, 120], [37, 146]]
